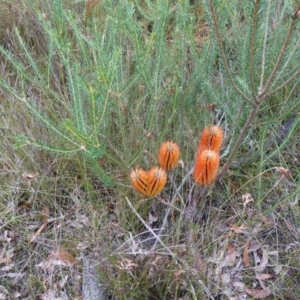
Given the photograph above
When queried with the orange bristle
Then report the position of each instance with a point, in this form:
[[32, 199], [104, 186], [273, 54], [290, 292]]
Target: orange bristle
[[168, 155], [206, 167], [211, 138], [139, 180], [157, 178]]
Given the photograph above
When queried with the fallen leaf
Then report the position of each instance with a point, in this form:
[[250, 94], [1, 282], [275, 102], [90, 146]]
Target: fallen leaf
[[229, 259], [181, 163], [239, 286], [258, 293], [152, 217], [35, 236], [247, 198], [5, 260], [263, 276], [225, 278], [246, 259], [52, 295], [64, 256], [263, 261], [177, 275], [3, 291], [7, 236], [45, 215], [238, 229], [230, 248], [61, 283], [127, 264], [283, 171], [201, 265], [211, 106], [29, 177], [231, 255]]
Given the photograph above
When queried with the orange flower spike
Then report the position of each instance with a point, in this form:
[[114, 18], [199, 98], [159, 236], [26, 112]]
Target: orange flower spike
[[139, 180], [206, 167], [211, 138], [157, 180], [168, 155]]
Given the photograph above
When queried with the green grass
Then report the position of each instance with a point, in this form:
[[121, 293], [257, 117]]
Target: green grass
[[89, 93]]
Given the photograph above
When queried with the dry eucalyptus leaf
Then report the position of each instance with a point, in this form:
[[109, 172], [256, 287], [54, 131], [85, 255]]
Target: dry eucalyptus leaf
[[53, 295], [201, 265], [36, 235], [283, 171], [263, 276], [226, 260], [231, 255], [45, 215], [230, 248], [239, 286], [29, 177], [64, 256], [246, 259], [258, 293], [5, 260], [238, 229]]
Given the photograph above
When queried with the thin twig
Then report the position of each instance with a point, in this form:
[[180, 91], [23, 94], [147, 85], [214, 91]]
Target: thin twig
[[263, 57], [284, 84], [263, 94], [151, 230], [252, 47], [168, 211], [286, 64], [170, 205]]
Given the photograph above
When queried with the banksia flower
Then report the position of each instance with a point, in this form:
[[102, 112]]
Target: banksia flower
[[139, 180], [168, 155], [157, 178], [211, 138], [206, 167]]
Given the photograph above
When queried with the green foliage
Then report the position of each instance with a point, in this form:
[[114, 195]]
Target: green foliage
[[103, 88]]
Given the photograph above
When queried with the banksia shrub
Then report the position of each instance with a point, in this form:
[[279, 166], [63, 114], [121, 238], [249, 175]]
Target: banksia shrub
[[206, 167], [168, 155], [149, 183], [211, 138]]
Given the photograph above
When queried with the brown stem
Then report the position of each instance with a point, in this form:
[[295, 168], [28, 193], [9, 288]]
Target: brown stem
[[239, 140]]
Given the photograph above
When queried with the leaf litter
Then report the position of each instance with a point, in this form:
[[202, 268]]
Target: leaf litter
[[234, 259]]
